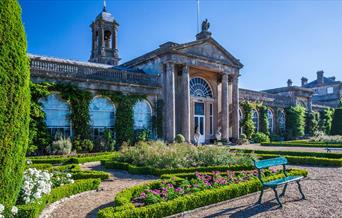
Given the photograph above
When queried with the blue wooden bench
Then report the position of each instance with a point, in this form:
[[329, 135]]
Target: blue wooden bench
[[264, 164]]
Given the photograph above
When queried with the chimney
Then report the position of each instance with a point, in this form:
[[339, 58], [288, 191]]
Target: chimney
[[304, 81], [320, 77], [289, 83]]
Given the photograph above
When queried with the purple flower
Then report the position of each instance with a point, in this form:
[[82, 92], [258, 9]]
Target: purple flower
[[170, 185], [179, 189], [143, 195]]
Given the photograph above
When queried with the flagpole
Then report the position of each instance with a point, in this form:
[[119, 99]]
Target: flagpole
[[198, 14]]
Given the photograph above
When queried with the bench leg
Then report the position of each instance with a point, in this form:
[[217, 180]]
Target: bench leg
[[277, 197], [260, 197], [284, 190], [300, 190]]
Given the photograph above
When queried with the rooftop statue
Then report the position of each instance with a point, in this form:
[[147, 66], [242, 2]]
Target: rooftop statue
[[205, 25]]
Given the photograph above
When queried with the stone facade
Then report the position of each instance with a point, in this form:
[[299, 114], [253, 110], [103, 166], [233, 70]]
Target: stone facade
[[197, 81]]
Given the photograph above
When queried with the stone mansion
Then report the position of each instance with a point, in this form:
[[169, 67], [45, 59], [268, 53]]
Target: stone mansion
[[197, 81]]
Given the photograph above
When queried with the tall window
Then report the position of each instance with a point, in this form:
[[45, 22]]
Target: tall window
[[255, 118], [57, 114], [200, 88], [282, 122], [142, 115], [211, 119], [270, 121], [102, 115]]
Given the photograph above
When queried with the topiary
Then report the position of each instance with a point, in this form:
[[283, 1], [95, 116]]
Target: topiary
[[260, 137], [14, 101], [336, 128], [311, 123], [179, 138], [263, 126], [247, 123], [295, 122]]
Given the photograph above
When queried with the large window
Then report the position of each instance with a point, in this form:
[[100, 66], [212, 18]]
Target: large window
[[142, 115], [57, 114], [255, 118], [270, 121], [200, 88], [282, 122], [102, 116]]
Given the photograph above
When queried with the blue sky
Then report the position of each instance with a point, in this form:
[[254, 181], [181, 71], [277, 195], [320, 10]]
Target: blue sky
[[275, 40]]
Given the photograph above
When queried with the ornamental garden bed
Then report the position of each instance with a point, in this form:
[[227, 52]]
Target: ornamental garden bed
[[183, 192], [317, 141]]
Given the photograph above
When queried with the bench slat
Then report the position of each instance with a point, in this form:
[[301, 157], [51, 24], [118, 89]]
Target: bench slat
[[283, 181], [270, 162]]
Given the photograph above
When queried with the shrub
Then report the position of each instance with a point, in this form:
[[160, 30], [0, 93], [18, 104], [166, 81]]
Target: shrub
[[260, 137], [263, 126], [242, 140], [61, 146], [14, 101], [158, 154], [179, 138], [247, 122], [311, 123], [325, 121], [142, 135], [336, 128], [337, 139], [295, 122]]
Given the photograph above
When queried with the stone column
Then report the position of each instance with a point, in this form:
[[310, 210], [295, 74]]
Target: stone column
[[170, 117], [186, 103], [235, 107], [225, 108]]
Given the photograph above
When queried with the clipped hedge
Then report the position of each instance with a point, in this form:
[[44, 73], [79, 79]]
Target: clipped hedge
[[14, 101], [302, 143], [77, 159], [90, 175], [158, 172], [40, 166], [34, 209], [124, 207], [307, 160]]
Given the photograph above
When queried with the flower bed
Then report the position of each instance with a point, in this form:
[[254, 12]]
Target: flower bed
[[35, 208], [110, 164], [224, 188]]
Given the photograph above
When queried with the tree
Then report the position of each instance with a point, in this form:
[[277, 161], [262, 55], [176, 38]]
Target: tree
[[336, 128], [295, 122], [14, 101]]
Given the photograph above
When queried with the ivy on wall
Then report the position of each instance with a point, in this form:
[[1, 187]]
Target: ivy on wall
[[247, 122], [295, 122], [263, 119]]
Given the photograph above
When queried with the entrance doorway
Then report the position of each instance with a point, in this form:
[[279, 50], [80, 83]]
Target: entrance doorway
[[200, 121]]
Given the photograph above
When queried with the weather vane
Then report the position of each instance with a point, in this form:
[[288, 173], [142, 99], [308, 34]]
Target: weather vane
[[104, 5]]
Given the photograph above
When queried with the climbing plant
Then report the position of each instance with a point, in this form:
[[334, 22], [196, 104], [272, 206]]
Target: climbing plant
[[311, 122], [263, 123], [247, 122], [14, 102], [325, 120], [295, 122]]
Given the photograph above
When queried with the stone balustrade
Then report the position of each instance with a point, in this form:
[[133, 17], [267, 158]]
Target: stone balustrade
[[90, 72]]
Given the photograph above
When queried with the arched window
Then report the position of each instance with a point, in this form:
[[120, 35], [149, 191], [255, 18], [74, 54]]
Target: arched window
[[102, 115], [282, 122], [57, 114], [255, 118], [200, 88], [270, 121], [142, 115]]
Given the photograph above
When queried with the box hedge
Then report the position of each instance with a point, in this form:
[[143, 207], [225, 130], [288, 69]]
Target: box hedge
[[124, 207], [301, 143], [110, 164], [34, 209], [14, 101]]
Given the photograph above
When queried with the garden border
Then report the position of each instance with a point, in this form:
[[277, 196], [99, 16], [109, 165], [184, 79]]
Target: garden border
[[188, 202]]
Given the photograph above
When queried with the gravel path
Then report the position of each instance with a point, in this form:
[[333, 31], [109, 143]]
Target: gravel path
[[281, 148], [87, 204], [322, 188]]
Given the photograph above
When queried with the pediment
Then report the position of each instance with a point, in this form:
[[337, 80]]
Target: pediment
[[209, 49]]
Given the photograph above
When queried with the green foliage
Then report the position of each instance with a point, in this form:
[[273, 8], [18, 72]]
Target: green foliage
[[90, 175], [247, 122], [157, 118], [301, 143], [79, 101], [336, 128], [325, 121], [314, 161], [179, 138], [60, 147], [295, 122], [110, 164], [311, 123], [141, 135], [263, 120], [14, 101], [39, 138], [33, 210], [124, 207], [260, 137], [158, 154]]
